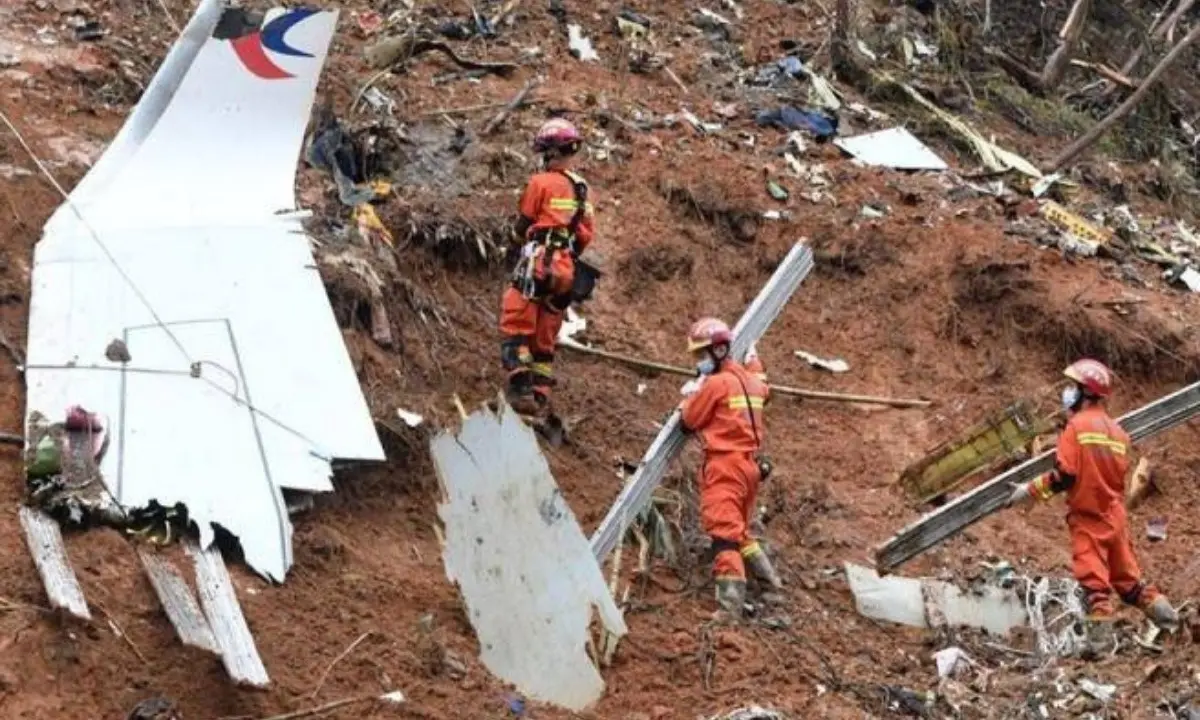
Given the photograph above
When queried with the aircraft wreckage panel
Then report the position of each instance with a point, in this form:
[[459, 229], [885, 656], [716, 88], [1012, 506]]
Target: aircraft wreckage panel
[[525, 570], [185, 204]]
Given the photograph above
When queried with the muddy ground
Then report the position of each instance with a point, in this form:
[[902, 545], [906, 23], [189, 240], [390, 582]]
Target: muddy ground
[[934, 300]]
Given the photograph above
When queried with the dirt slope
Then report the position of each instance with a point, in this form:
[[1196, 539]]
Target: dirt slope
[[932, 300]]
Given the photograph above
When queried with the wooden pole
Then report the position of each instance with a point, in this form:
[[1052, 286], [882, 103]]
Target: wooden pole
[[517, 101], [781, 389], [1079, 146]]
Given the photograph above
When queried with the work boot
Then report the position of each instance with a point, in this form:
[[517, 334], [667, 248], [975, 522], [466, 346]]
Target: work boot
[[1099, 636], [520, 396], [731, 598], [1160, 612], [763, 569]]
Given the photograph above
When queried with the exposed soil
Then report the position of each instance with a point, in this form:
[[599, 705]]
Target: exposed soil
[[933, 299]]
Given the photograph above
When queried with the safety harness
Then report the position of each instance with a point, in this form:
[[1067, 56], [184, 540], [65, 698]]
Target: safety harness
[[534, 274]]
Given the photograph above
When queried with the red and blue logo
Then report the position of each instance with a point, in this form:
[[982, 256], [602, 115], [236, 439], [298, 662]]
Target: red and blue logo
[[251, 42]]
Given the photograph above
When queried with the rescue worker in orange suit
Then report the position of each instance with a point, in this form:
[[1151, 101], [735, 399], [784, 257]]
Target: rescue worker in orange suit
[[556, 225], [1093, 457], [724, 405]]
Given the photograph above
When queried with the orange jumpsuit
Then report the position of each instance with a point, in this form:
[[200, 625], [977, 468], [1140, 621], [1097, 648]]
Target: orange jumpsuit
[[1093, 457], [727, 412], [529, 325]]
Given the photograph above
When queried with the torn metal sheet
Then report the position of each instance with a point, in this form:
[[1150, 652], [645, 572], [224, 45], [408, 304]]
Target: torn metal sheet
[[520, 559], [214, 293], [932, 603], [992, 496], [219, 600], [750, 328], [178, 601], [45, 542], [893, 148]]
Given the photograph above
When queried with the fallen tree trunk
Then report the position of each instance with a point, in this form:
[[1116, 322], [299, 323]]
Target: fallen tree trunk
[[1091, 136]]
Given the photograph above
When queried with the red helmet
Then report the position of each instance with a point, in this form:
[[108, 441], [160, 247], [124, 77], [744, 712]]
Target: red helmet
[[708, 332], [557, 134], [1092, 375]]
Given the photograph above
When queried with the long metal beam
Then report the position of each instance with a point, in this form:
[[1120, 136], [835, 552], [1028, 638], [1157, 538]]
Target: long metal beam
[[753, 324], [992, 496]]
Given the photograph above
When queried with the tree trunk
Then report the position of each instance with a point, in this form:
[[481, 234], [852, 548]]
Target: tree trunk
[[842, 53], [1056, 66], [1079, 146], [1069, 36]]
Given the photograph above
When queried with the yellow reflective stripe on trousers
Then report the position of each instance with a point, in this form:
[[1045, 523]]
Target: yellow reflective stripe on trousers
[[751, 549], [544, 369]]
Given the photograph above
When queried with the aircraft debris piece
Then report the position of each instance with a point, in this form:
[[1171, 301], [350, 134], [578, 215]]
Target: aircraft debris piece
[[895, 148], [1001, 436], [522, 563], [220, 603], [212, 294], [178, 601], [45, 542], [929, 603]]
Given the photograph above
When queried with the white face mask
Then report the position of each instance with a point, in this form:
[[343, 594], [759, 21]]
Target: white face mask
[[1070, 397], [706, 366]]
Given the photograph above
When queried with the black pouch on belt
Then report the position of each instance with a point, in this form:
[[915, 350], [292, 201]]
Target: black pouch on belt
[[586, 276]]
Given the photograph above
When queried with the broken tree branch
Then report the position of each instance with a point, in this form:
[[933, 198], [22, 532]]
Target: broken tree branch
[[516, 102], [1091, 136], [1157, 32], [327, 707], [781, 389], [474, 108], [336, 660]]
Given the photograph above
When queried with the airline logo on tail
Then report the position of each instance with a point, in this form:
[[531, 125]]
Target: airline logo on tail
[[250, 42]]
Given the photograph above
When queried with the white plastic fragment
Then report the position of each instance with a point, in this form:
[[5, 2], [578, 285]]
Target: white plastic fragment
[[951, 661], [581, 45], [410, 419], [836, 365], [1191, 278], [1103, 693]]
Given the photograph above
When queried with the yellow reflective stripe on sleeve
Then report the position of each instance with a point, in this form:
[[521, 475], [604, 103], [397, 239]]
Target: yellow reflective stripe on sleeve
[[738, 402], [1116, 446], [568, 204], [543, 369]]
